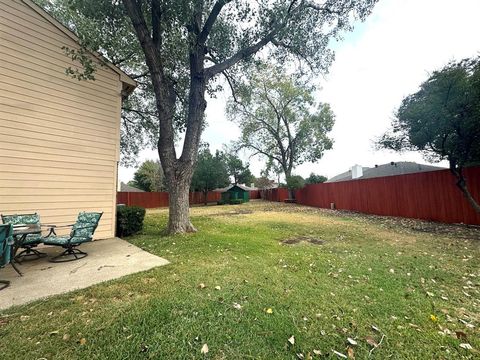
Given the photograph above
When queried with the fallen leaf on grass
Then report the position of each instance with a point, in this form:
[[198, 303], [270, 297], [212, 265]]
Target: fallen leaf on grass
[[374, 328], [339, 354], [204, 349], [351, 341], [317, 352], [467, 324], [269, 311], [433, 318], [371, 341], [461, 335], [466, 346], [237, 306], [53, 332], [350, 353], [82, 341], [291, 340], [66, 337], [201, 286]]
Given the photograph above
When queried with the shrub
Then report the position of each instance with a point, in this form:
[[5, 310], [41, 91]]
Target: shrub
[[129, 220]]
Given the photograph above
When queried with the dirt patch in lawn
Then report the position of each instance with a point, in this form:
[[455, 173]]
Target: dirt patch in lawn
[[234, 212], [299, 239]]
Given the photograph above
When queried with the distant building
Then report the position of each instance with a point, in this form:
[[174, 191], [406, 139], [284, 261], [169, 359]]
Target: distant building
[[235, 194], [127, 188], [390, 169]]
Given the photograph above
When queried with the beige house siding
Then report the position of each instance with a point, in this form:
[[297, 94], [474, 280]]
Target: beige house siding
[[59, 142]]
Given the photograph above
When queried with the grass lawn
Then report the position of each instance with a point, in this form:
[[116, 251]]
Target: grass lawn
[[411, 288]]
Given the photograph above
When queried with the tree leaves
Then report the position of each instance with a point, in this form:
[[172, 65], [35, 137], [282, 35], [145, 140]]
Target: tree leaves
[[280, 120]]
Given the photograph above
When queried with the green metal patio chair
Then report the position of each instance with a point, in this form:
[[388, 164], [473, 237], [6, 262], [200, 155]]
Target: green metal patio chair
[[30, 241], [6, 242], [82, 231]]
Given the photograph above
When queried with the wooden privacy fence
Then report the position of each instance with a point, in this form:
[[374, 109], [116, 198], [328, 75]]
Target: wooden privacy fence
[[429, 195], [160, 199], [143, 199], [278, 194]]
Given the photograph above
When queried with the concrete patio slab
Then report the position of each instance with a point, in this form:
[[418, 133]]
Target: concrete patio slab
[[107, 259]]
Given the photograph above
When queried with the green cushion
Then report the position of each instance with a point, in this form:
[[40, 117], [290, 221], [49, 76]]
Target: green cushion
[[63, 240], [32, 239], [28, 219], [18, 219], [86, 224]]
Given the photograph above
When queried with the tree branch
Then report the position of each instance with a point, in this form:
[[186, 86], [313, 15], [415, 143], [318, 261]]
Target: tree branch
[[202, 38], [156, 18], [239, 56]]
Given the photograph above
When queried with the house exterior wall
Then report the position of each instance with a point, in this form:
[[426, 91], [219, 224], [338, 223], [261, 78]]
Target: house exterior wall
[[59, 137]]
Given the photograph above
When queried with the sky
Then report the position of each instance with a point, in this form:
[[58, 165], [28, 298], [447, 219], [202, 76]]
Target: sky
[[383, 60]]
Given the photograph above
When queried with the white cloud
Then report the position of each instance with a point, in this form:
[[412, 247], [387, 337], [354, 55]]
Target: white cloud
[[382, 61]]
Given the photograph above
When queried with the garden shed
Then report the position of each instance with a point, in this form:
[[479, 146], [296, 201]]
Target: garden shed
[[60, 136], [235, 194]]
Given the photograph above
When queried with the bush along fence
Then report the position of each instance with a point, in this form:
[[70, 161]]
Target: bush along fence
[[429, 196], [160, 199]]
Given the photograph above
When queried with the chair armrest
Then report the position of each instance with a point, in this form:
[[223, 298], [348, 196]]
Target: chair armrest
[[50, 225]]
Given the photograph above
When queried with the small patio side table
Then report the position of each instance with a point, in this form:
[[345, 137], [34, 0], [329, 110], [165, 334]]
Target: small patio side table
[[20, 233]]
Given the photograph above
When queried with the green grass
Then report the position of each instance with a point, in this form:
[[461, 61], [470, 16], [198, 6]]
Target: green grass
[[365, 274]]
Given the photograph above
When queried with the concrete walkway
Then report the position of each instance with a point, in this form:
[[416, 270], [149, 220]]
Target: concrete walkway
[[107, 259]]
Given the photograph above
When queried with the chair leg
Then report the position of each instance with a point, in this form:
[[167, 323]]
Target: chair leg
[[15, 268], [4, 284], [28, 254], [70, 254]]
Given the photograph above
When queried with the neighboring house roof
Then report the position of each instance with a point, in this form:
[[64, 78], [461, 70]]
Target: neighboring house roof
[[127, 188], [243, 187], [129, 83], [390, 169]]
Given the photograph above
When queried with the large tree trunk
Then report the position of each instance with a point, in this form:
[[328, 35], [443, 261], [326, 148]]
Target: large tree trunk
[[462, 185], [288, 173], [178, 206]]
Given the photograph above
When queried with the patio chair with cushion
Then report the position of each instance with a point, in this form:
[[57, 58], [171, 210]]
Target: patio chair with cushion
[[6, 242], [82, 231], [30, 241]]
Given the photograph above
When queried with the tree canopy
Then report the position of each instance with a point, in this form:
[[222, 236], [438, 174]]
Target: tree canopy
[[315, 179], [149, 177], [442, 120], [210, 172], [238, 171], [280, 120], [295, 182]]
